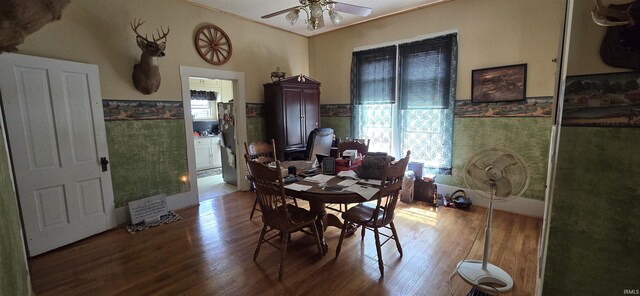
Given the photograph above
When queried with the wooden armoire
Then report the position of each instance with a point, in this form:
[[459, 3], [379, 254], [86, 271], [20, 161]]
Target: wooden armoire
[[292, 111]]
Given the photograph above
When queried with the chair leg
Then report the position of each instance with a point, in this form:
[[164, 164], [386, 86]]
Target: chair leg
[[344, 230], [295, 202], [253, 209], [379, 250], [397, 239], [363, 229], [285, 241], [264, 230], [314, 231]]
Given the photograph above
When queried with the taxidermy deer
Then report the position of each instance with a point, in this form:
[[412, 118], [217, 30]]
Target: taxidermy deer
[[621, 44], [19, 18], [146, 73]]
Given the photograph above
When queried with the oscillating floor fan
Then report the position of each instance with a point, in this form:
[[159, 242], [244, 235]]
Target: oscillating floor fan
[[496, 174]]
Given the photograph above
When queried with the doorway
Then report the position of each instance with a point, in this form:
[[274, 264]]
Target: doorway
[[213, 134], [216, 122]]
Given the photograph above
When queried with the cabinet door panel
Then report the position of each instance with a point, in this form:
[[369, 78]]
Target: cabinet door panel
[[311, 98], [295, 135]]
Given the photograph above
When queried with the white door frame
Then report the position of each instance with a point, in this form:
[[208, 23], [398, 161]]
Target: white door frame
[[240, 118]]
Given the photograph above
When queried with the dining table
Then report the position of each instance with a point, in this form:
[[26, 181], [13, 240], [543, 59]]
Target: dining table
[[321, 194]]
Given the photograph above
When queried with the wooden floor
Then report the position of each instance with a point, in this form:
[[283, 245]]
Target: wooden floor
[[210, 252]]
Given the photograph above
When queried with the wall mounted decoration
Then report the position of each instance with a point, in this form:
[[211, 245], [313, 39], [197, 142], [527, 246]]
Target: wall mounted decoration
[[621, 45], [335, 110], [115, 110], [604, 100], [213, 45], [531, 107], [146, 73], [21, 18], [499, 84], [255, 109]]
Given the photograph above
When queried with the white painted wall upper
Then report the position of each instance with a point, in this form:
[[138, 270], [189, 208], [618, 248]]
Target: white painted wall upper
[[490, 33], [98, 32]]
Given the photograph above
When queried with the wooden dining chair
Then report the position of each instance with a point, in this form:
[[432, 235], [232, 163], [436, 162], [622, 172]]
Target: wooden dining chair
[[361, 145], [277, 214], [380, 215], [263, 153]]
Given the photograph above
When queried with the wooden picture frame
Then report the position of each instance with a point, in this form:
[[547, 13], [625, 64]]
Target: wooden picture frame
[[499, 84]]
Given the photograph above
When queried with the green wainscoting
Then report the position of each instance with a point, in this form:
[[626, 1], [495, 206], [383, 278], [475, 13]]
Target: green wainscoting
[[595, 219], [148, 157], [256, 129], [341, 125], [14, 274], [529, 137]]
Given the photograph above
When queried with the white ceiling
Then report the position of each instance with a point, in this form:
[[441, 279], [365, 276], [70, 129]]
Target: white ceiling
[[254, 9]]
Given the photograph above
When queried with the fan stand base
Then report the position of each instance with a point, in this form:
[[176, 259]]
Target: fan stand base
[[493, 279]]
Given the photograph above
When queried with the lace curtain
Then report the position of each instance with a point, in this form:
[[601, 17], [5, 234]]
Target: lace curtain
[[426, 73]]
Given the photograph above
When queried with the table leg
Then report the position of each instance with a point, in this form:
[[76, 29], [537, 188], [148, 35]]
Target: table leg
[[321, 222]]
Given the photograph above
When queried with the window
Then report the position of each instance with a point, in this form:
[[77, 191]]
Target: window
[[203, 105], [403, 99]]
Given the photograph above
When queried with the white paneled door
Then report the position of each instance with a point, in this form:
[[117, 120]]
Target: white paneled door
[[55, 125]]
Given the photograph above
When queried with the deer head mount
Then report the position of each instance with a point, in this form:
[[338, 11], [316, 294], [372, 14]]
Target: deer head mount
[[621, 44], [146, 73]]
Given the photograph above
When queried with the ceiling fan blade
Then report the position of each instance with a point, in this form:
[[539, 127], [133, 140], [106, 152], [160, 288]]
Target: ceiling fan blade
[[280, 12], [503, 187], [503, 161], [350, 8], [477, 173]]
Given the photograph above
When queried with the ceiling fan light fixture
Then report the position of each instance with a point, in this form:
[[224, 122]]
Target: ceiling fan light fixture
[[335, 17], [316, 10], [292, 16], [315, 23]]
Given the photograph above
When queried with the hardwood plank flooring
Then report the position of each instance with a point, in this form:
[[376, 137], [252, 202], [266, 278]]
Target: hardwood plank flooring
[[210, 252]]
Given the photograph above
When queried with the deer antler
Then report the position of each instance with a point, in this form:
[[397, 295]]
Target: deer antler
[[137, 25], [161, 36], [601, 14]]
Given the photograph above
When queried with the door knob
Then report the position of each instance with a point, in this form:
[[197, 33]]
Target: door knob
[[104, 162]]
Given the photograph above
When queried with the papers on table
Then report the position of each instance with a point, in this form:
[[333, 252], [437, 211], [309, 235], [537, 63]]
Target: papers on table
[[347, 182], [319, 178], [370, 181], [298, 187], [348, 174], [364, 191]]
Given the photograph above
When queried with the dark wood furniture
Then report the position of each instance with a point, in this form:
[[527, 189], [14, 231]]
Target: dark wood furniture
[[277, 214], [318, 199], [354, 145], [293, 108], [381, 215], [263, 153]]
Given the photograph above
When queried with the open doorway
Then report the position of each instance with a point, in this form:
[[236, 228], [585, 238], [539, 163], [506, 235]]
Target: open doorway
[[213, 136], [214, 124]]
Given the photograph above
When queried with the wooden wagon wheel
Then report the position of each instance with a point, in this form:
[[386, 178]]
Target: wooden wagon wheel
[[213, 45]]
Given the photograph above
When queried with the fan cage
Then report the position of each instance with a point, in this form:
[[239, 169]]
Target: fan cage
[[517, 174]]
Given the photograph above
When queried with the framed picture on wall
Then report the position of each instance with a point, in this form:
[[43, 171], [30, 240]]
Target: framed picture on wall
[[499, 84]]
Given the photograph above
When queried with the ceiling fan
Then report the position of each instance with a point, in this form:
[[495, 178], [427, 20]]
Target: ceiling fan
[[315, 11]]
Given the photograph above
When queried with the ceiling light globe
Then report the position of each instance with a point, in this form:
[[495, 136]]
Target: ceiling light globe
[[335, 17], [316, 10], [292, 16]]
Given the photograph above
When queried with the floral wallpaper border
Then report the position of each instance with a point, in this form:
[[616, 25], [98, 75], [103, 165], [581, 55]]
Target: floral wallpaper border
[[336, 110], [255, 109], [117, 110], [531, 107]]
